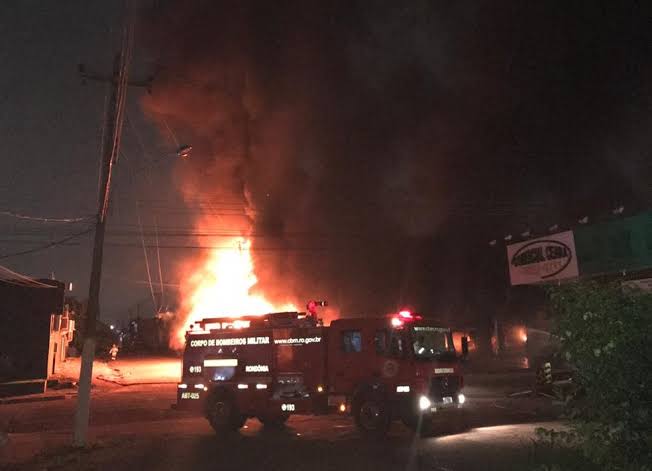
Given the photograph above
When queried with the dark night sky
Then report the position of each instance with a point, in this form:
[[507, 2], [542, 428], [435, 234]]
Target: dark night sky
[[51, 128], [395, 139]]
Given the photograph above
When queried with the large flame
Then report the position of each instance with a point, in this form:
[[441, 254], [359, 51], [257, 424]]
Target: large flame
[[222, 287]]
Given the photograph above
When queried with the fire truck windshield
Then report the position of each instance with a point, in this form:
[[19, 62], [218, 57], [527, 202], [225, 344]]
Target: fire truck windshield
[[432, 342]]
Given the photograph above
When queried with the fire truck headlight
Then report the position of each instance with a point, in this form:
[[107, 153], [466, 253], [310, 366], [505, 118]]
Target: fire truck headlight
[[182, 386], [320, 388], [461, 398], [199, 386], [424, 403]]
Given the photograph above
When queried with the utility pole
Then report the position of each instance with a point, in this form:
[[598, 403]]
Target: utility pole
[[110, 148]]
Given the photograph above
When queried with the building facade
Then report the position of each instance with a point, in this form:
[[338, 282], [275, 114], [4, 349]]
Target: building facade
[[35, 331]]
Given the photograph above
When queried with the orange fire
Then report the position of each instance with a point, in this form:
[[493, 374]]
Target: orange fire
[[222, 287]]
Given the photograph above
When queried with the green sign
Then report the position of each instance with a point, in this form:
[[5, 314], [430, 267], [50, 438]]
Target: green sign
[[615, 246]]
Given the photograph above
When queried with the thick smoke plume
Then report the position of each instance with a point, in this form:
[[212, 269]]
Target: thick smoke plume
[[374, 146], [286, 122]]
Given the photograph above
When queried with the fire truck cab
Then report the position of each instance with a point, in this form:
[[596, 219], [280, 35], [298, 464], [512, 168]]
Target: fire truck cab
[[269, 367]]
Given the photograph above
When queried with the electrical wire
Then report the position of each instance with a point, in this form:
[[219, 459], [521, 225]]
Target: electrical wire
[[44, 219], [148, 177], [141, 231], [149, 181], [158, 259], [21, 280], [167, 126], [152, 160], [131, 230], [149, 276], [136, 134], [140, 282], [49, 245], [132, 178], [222, 247]]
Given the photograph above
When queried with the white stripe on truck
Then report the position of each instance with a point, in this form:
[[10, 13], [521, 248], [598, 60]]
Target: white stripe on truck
[[221, 362]]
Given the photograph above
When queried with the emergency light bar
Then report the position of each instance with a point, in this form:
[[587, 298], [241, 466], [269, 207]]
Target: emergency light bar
[[273, 319], [240, 324], [409, 316], [404, 316]]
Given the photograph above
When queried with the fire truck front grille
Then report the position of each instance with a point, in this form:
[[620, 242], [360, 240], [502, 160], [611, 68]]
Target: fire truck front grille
[[442, 386]]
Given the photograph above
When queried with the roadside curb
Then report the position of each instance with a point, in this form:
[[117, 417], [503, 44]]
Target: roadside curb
[[22, 400], [118, 383]]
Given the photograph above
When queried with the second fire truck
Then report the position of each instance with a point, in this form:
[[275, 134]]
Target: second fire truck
[[270, 367]]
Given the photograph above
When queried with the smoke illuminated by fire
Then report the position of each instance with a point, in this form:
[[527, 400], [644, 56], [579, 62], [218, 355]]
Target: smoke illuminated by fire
[[223, 286]]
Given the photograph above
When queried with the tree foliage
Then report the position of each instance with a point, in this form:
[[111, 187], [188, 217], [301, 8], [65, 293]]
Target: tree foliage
[[606, 334]]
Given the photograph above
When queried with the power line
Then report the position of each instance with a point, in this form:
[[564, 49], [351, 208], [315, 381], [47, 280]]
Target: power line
[[132, 173], [45, 219], [160, 272], [21, 280], [47, 246], [140, 282], [149, 276], [233, 233], [153, 159], [222, 247], [136, 134], [174, 137], [36, 236]]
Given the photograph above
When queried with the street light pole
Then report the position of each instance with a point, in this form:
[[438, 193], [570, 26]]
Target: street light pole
[[111, 146]]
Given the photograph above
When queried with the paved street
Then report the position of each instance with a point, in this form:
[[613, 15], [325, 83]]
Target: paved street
[[134, 427]]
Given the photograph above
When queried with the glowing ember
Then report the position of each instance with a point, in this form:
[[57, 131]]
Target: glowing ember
[[222, 287]]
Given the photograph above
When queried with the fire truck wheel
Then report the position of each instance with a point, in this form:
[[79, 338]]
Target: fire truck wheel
[[371, 415], [276, 421], [223, 415]]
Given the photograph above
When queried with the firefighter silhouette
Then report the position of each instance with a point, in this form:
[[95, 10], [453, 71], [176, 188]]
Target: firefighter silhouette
[[113, 351]]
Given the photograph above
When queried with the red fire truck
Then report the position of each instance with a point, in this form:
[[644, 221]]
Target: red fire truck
[[376, 369]]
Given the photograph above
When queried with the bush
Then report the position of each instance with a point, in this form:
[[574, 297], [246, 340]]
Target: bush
[[606, 333]]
